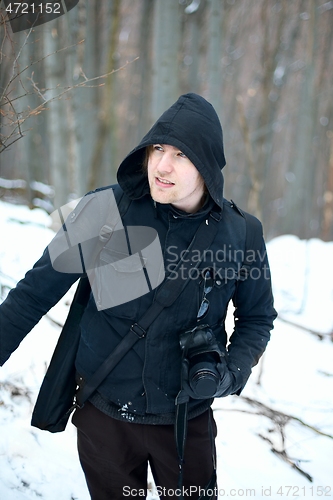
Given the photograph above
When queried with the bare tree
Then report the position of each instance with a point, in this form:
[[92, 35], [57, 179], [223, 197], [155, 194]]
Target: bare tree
[[106, 131], [166, 40], [57, 123], [214, 52]]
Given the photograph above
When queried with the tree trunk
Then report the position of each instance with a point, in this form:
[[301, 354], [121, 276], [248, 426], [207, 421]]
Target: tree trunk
[[214, 53], [299, 201], [327, 224], [166, 37], [56, 121], [144, 98], [262, 139], [193, 29], [106, 131]]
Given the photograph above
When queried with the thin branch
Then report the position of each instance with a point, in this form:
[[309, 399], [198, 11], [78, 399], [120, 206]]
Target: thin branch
[[33, 63], [281, 420], [34, 86], [16, 391], [282, 454], [280, 417], [6, 146], [2, 22], [41, 107], [18, 122], [54, 321], [320, 335], [15, 62]]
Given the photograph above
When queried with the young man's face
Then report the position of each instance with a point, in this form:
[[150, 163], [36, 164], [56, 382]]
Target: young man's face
[[174, 179]]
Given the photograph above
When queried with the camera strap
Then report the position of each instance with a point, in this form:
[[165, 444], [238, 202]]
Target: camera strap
[[181, 424]]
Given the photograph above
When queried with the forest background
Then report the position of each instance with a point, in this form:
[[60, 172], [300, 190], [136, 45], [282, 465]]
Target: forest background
[[265, 65]]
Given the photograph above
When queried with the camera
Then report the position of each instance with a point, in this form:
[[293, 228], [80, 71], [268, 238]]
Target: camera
[[203, 354]]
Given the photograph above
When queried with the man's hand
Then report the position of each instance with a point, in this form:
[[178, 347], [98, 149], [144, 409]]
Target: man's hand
[[229, 381]]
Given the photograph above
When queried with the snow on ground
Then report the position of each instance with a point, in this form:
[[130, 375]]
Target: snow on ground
[[286, 406]]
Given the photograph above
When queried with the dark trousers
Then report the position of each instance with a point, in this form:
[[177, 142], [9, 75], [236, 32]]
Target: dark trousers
[[114, 455]]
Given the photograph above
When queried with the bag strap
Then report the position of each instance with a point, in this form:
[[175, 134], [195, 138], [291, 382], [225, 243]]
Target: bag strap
[[83, 290], [168, 292], [112, 217], [253, 241]]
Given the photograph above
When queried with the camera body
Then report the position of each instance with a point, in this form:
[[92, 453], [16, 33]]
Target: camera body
[[204, 358]]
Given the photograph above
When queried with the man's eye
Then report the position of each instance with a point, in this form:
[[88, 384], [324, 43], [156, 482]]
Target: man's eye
[[157, 147], [183, 155]]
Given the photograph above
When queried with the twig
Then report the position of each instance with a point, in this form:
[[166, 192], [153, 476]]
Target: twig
[[32, 63], [10, 278], [34, 85], [19, 121], [280, 417], [54, 321], [284, 456], [15, 62], [15, 390], [320, 335]]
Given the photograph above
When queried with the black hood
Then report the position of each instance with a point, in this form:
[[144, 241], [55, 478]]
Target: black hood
[[192, 125]]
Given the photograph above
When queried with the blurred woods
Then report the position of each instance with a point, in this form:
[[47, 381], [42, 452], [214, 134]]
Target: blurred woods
[[266, 66]]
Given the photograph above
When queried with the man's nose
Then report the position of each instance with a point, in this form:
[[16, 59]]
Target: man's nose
[[166, 163]]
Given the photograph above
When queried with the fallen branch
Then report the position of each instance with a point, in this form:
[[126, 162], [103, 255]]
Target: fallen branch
[[54, 321], [319, 335], [280, 419], [15, 390], [282, 454]]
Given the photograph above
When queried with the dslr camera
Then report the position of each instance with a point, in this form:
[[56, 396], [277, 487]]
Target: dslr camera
[[202, 355]]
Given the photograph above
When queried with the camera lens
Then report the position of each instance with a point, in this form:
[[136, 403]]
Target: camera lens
[[204, 380]]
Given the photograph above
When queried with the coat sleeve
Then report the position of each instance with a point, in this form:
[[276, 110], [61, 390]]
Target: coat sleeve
[[253, 316], [40, 289], [70, 254]]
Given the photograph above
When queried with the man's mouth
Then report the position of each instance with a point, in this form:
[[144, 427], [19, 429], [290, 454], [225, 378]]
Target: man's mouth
[[164, 181]]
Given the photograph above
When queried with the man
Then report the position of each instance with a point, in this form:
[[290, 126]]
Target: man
[[174, 183]]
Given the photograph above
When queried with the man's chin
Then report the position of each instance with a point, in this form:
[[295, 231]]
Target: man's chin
[[163, 198], [162, 202]]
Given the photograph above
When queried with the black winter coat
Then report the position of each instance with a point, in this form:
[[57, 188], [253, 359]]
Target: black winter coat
[[147, 380]]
